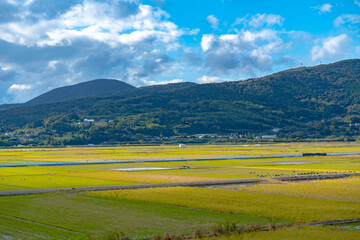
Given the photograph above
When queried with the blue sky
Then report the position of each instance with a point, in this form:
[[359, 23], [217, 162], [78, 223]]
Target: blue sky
[[46, 44]]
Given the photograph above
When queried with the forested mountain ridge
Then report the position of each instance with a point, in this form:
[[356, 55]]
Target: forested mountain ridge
[[319, 101]]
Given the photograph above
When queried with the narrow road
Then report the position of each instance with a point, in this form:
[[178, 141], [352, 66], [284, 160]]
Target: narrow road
[[178, 184]]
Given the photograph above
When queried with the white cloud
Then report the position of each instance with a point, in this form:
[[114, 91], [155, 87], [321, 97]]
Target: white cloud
[[207, 41], [20, 92], [333, 48], [357, 2], [19, 87], [214, 22], [210, 79], [260, 20], [265, 19], [246, 52], [152, 82], [5, 68], [52, 64], [347, 18], [94, 21], [324, 8]]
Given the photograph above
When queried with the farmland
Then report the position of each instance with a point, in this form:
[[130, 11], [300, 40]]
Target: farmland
[[320, 233], [141, 213], [298, 209], [165, 151]]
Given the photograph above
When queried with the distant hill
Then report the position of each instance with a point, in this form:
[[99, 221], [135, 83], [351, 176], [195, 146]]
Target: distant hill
[[321, 101], [86, 89]]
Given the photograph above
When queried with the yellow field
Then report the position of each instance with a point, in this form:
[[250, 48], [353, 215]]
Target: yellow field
[[291, 208], [347, 189], [168, 151], [106, 174]]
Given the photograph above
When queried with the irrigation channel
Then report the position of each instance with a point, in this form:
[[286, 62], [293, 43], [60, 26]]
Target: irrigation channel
[[224, 183], [148, 160]]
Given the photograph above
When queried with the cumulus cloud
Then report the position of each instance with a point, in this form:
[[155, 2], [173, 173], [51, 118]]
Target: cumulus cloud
[[106, 22], [53, 43], [152, 82], [19, 87], [246, 51], [19, 91], [333, 48], [255, 45], [357, 2], [211, 79], [213, 21], [347, 19], [259, 20], [207, 41], [324, 8]]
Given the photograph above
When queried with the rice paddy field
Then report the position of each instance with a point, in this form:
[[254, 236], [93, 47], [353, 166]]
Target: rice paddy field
[[143, 213], [319, 233], [90, 153]]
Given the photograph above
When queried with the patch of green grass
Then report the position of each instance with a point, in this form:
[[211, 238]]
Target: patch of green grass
[[96, 215], [11, 228]]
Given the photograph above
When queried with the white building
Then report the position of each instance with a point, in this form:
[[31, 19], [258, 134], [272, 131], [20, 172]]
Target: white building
[[268, 136], [88, 120]]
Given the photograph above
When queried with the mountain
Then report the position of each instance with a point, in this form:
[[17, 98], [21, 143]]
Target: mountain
[[86, 89], [309, 102]]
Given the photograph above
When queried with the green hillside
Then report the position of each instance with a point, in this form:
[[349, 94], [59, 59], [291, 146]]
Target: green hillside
[[313, 102]]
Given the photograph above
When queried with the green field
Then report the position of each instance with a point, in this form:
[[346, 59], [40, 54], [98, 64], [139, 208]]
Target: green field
[[142, 213], [92, 215]]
